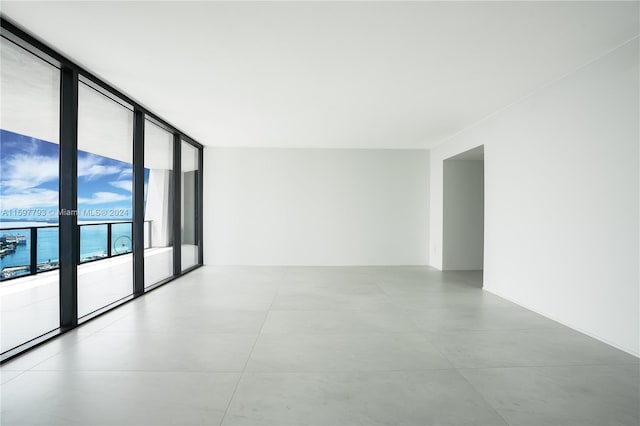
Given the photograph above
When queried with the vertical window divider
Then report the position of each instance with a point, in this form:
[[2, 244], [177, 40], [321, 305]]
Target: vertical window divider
[[69, 231], [109, 238], [33, 236], [138, 202], [177, 204], [199, 206]]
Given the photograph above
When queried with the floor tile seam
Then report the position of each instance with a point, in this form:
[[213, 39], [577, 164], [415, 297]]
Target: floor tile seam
[[255, 342], [120, 370], [56, 353], [342, 333], [455, 307], [377, 284], [235, 310], [479, 309], [20, 373], [349, 371], [428, 338], [208, 309], [175, 332], [111, 322], [329, 310], [557, 328], [587, 365], [346, 372], [435, 346], [408, 289], [482, 330], [172, 333], [484, 398]]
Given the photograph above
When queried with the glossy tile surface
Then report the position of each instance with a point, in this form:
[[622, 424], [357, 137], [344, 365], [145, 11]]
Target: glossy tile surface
[[345, 352], [441, 397], [115, 397], [576, 395], [322, 346]]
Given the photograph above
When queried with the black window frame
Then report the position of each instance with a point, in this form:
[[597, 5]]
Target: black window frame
[[69, 231]]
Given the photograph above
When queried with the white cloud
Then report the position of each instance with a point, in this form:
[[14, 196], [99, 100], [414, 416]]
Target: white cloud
[[36, 198], [125, 185], [126, 173], [104, 197], [91, 167], [22, 171]]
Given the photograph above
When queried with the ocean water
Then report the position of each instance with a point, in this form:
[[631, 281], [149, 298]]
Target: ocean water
[[93, 242]]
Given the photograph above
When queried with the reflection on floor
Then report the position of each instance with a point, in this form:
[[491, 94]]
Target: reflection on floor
[[322, 346], [29, 305]]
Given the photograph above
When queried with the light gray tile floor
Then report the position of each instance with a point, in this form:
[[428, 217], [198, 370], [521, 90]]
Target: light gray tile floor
[[322, 346]]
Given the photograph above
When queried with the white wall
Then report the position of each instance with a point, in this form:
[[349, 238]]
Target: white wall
[[463, 222], [316, 207], [561, 199]]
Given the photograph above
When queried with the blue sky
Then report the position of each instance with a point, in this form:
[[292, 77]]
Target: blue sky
[[29, 179]]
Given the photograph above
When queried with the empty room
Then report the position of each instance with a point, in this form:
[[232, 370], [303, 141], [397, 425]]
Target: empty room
[[323, 213]]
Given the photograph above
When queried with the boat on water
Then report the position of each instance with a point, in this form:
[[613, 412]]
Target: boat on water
[[18, 239], [8, 248], [9, 242]]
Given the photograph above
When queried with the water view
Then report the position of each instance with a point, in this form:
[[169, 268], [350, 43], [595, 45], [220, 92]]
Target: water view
[[29, 198], [15, 247]]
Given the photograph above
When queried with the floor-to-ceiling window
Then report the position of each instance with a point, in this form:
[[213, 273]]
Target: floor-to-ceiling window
[[190, 178], [29, 162], [89, 200], [158, 212], [105, 204]]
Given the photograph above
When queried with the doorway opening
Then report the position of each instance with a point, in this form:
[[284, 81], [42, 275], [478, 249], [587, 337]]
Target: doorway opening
[[463, 215]]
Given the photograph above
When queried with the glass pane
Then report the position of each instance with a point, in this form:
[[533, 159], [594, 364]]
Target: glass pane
[[158, 164], [47, 252], [93, 242], [189, 172], [29, 163], [15, 260], [121, 242], [105, 173]]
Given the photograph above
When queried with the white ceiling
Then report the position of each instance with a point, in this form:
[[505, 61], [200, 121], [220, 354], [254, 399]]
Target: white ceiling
[[328, 74]]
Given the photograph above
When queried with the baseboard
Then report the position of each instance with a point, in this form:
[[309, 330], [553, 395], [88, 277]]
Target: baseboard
[[571, 326]]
